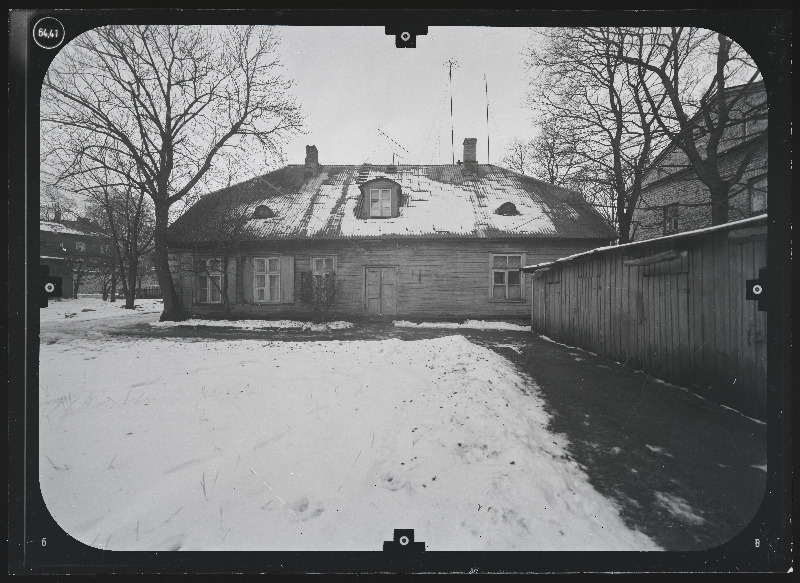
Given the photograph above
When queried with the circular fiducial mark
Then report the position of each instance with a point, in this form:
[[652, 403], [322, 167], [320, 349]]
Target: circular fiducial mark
[[757, 289], [405, 36], [49, 288], [403, 540], [48, 33]]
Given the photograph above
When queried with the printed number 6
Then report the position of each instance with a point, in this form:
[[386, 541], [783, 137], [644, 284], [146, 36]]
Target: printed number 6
[[44, 542], [758, 543]]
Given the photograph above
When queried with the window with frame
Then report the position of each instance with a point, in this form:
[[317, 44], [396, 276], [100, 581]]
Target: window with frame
[[209, 281], [380, 202], [506, 277], [267, 279], [671, 218], [322, 267], [758, 194]]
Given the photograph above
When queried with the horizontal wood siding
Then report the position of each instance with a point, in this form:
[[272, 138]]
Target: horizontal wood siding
[[684, 320], [439, 279]]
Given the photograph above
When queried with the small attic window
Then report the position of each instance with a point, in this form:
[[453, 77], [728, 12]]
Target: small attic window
[[263, 212], [507, 209]]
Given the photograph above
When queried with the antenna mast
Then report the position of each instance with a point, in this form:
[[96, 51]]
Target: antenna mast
[[487, 117], [452, 63]]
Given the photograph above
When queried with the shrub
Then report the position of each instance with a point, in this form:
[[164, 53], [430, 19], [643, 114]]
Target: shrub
[[319, 292]]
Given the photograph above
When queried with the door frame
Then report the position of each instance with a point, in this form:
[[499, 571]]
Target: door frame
[[364, 287]]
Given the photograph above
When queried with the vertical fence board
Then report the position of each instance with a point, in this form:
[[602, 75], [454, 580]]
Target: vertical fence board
[[708, 370], [760, 340], [719, 307], [684, 329], [747, 334], [734, 318]]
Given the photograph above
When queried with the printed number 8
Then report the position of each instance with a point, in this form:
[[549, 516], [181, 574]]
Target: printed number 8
[[758, 542]]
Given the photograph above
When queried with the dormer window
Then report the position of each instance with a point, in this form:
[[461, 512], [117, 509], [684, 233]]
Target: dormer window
[[382, 198], [380, 202]]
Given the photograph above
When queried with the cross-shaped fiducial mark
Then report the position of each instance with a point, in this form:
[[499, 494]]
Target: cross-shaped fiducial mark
[[405, 34]]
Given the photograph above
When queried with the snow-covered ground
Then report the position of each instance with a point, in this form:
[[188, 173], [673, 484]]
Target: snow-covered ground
[[162, 444], [93, 308], [471, 324], [255, 324]]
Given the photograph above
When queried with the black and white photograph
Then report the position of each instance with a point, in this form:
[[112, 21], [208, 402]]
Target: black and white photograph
[[405, 288]]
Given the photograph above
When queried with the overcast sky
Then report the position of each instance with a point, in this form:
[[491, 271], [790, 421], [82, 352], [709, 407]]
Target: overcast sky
[[351, 81]]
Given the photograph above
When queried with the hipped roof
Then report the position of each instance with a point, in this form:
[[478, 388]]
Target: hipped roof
[[438, 201]]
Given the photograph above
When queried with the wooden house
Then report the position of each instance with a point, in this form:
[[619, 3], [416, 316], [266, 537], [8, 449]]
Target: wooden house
[[74, 250], [416, 241]]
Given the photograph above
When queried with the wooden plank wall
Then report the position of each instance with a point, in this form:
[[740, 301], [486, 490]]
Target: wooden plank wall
[[435, 279], [684, 320]]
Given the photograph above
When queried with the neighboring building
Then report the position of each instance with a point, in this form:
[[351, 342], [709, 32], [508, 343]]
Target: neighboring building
[[410, 241], [673, 198], [76, 251]]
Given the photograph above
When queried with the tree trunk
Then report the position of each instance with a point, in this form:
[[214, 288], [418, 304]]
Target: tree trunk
[[130, 297], [719, 204], [161, 255], [624, 226], [77, 283], [113, 297]]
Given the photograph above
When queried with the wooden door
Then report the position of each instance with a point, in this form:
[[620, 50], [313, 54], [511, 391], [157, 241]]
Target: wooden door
[[380, 291]]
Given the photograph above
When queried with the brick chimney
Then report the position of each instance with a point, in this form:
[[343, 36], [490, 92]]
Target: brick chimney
[[312, 160], [470, 154]]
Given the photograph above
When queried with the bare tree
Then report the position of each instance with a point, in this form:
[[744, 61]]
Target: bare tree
[[686, 75], [126, 219], [54, 205], [158, 107], [518, 156], [598, 104]]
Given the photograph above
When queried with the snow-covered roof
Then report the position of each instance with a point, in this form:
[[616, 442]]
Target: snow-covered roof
[[59, 228], [741, 223], [438, 201]]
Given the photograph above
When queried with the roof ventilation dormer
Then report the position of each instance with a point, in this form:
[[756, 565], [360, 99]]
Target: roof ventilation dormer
[[262, 211], [507, 209]]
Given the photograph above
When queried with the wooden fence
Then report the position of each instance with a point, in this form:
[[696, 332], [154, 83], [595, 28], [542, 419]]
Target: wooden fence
[[674, 307]]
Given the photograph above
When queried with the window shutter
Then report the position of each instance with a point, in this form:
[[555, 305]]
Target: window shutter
[[305, 286], [396, 194], [287, 279], [247, 280], [232, 280]]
